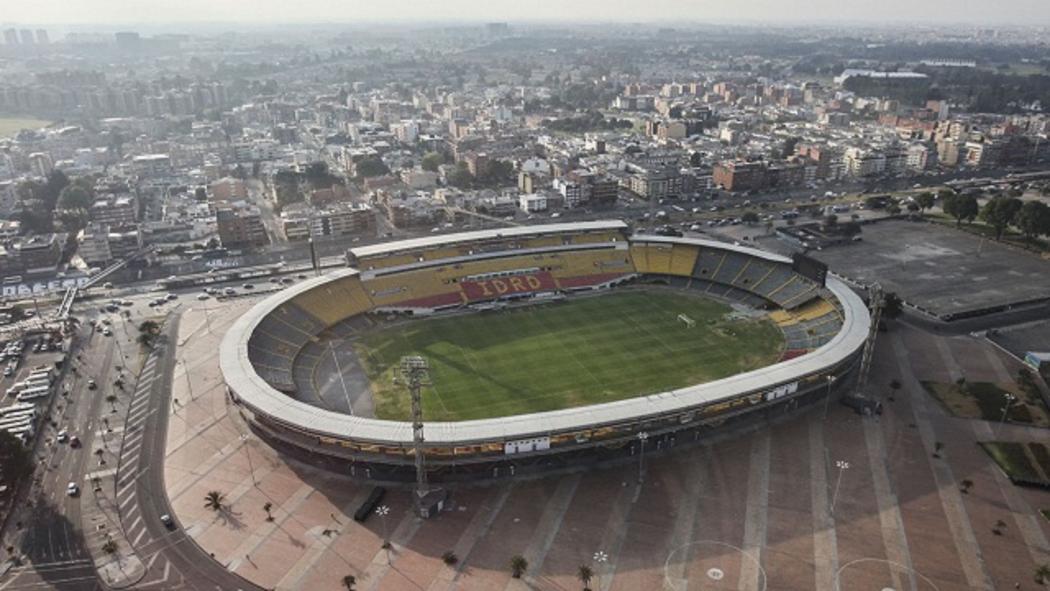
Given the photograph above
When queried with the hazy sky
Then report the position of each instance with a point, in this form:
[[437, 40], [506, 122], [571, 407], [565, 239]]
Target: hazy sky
[[328, 11]]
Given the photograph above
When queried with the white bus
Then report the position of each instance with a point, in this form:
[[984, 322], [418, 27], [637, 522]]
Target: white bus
[[34, 393], [16, 407], [39, 374], [10, 425], [24, 433], [31, 413], [36, 383]]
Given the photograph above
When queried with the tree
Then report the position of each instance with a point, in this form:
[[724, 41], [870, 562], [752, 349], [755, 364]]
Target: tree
[[449, 558], [1033, 219], [937, 448], [112, 400], [965, 485], [749, 217], [349, 581], [16, 458], [460, 178], [585, 574], [149, 326], [75, 197], [789, 146], [518, 566], [495, 173], [371, 167], [960, 207], [892, 306], [999, 213], [432, 160], [267, 506], [924, 200], [214, 500], [110, 547], [895, 386]]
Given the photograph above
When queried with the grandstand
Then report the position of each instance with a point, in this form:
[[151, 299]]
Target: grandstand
[[271, 356]]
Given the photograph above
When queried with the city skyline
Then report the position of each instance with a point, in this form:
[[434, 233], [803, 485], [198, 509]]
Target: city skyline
[[103, 12]]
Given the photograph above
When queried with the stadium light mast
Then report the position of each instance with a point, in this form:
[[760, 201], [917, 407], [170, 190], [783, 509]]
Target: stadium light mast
[[876, 300], [415, 370]]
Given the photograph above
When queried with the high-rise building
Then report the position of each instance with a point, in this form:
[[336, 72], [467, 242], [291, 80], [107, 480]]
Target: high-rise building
[[41, 37], [10, 37], [27, 36], [239, 228], [127, 40], [41, 163]]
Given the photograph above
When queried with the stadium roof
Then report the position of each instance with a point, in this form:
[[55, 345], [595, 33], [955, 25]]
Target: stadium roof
[[241, 377], [449, 239]]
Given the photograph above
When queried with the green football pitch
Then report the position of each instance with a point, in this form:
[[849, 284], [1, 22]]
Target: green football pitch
[[564, 354]]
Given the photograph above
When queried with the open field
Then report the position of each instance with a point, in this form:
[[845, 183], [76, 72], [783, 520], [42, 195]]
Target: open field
[[566, 354], [12, 125]]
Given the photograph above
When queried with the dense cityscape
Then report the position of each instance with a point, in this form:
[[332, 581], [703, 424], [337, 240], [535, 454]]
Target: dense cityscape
[[215, 241]]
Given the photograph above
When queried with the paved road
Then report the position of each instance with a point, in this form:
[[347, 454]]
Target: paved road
[[53, 542], [173, 561]]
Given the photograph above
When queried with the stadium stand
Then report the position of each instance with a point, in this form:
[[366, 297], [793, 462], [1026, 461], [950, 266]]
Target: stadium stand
[[335, 301], [283, 341]]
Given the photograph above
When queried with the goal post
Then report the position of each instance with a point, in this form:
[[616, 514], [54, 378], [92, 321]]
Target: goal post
[[687, 321]]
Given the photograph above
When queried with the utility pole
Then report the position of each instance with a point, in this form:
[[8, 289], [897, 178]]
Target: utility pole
[[415, 370]]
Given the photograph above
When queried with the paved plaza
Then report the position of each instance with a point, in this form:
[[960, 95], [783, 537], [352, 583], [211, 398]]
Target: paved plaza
[[939, 268], [849, 503]]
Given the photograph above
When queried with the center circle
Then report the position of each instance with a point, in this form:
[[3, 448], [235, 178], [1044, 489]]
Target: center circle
[[716, 574]]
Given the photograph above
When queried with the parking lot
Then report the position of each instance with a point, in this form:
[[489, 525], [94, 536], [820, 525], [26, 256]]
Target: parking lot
[[940, 269]]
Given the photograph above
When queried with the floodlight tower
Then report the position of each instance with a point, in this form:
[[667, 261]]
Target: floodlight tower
[[876, 300], [415, 370]]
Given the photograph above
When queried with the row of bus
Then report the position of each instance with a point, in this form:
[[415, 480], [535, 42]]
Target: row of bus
[[20, 419]]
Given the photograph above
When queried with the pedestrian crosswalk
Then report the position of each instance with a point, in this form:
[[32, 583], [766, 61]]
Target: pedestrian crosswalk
[[132, 468]]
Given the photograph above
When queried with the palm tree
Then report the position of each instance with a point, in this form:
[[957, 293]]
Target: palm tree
[[349, 581], [213, 500], [895, 386], [266, 507], [585, 574], [518, 566]]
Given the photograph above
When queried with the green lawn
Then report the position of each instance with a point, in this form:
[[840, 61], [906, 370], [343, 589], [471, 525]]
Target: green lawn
[[12, 125], [564, 354], [1020, 464], [986, 401]]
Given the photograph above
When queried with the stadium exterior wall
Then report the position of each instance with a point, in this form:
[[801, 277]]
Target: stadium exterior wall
[[382, 450]]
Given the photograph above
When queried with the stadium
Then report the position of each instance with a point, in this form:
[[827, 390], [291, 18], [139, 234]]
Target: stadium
[[548, 346]]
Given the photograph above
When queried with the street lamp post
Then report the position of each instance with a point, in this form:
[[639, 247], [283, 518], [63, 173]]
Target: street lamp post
[[382, 511], [842, 465], [1010, 399], [248, 452], [642, 437], [827, 395]]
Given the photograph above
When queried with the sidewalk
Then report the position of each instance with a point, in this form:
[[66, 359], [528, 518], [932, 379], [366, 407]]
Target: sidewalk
[[118, 565]]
